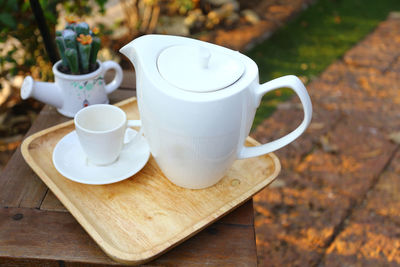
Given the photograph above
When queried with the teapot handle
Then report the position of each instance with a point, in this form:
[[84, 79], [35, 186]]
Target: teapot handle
[[297, 86], [116, 82]]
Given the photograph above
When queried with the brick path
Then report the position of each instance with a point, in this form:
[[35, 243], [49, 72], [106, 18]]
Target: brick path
[[337, 199]]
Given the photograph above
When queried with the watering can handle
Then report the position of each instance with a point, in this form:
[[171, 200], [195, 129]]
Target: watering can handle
[[297, 86], [116, 82]]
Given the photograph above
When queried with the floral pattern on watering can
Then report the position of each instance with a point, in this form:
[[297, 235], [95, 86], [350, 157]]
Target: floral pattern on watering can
[[83, 89]]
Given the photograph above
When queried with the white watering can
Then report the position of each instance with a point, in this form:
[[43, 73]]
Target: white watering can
[[69, 93]]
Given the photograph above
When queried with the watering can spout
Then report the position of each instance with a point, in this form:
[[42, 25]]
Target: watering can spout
[[45, 92]]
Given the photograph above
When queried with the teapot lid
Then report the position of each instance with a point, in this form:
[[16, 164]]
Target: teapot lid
[[198, 69]]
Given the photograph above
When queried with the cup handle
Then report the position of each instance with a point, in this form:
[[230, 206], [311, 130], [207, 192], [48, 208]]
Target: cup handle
[[134, 123], [297, 86], [116, 82]]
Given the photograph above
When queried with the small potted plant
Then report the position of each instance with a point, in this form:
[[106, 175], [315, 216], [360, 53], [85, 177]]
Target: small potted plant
[[78, 46], [78, 75]]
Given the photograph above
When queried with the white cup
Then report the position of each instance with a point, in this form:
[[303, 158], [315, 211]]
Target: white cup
[[101, 130]]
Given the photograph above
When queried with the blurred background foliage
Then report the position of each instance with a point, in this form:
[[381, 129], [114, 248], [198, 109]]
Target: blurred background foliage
[[21, 44], [22, 50]]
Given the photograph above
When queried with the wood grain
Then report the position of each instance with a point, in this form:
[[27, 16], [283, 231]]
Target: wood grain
[[20, 262], [244, 215], [43, 238], [35, 234], [137, 219], [51, 203], [19, 185]]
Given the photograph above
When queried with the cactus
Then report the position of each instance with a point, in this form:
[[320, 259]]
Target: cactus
[[69, 38], [70, 27], [82, 28], [61, 48], [84, 52], [72, 57], [78, 46], [93, 52]]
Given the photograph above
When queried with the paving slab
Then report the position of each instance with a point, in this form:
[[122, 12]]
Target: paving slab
[[379, 49], [385, 198], [336, 202], [295, 220], [285, 119], [371, 236], [369, 240]]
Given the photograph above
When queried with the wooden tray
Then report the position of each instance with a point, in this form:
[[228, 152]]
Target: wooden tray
[[137, 219]]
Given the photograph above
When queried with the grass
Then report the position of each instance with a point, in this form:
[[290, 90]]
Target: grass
[[311, 42]]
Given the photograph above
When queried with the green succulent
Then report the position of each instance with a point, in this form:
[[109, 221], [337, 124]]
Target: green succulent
[[78, 47]]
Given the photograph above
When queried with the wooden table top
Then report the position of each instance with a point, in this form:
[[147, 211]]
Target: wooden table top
[[35, 228]]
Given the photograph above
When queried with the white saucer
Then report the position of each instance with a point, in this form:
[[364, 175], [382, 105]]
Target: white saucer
[[70, 160]]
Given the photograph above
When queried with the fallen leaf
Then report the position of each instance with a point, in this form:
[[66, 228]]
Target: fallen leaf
[[327, 146], [337, 19], [371, 154], [395, 137], [277, 183], [316, 126], [394, 15]]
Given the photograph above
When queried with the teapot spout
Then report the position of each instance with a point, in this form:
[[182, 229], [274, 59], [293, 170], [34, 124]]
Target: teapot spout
[[145, 48], [129, 50], [45, 92]]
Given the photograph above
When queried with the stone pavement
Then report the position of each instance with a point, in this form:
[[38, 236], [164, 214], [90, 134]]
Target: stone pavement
[[337, 199]]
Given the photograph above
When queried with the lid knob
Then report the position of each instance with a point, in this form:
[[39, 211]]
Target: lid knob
[[198, 68], [204, 57]]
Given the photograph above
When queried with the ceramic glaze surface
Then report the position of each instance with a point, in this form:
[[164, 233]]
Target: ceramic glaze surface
[[101, 130], [198, 69], [196, 136], [71, 161], [70, 93]]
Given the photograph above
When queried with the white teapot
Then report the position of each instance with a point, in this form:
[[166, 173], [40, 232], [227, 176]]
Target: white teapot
[[197, 103]]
